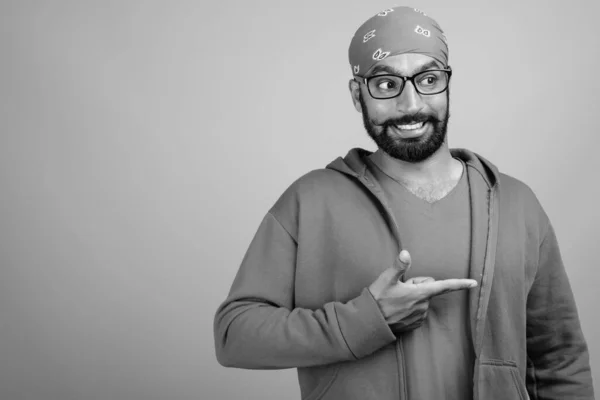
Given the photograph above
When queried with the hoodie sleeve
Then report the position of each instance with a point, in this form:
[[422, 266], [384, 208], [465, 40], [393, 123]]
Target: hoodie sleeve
[[558, 359], [258, 327]]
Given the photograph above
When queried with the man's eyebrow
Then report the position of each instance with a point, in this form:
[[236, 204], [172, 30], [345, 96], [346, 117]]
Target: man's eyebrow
[[389, 70]]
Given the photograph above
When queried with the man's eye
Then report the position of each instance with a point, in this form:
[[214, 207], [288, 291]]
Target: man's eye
[[386, 84], [429, 80]]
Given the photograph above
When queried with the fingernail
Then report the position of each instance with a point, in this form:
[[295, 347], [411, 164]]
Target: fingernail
[[404, 256]]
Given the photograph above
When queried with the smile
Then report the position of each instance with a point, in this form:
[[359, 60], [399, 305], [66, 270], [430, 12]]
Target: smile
[[410, 127], [411, 131]]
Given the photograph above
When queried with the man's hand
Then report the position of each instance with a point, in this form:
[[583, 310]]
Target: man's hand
[[404, 304]]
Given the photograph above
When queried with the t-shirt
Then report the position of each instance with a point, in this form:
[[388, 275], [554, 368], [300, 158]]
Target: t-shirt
[[438, 355]]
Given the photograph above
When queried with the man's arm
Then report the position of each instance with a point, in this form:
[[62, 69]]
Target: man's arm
[[558, 359], [258, 326]]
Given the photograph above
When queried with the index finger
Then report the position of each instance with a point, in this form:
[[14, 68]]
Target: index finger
[[430, 289]]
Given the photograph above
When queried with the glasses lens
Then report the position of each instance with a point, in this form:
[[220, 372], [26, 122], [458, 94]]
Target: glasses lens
[[430, 82], [385, 86]]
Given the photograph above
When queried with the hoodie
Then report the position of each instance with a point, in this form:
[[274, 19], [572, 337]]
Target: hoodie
[[300, 298]]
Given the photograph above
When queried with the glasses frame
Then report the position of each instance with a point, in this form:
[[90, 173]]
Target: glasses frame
[[404, 80]]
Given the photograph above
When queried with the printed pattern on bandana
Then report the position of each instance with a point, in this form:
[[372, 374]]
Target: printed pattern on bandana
[[396, 31], [380, 55], [369, 35], [422, 31], [385, 12]]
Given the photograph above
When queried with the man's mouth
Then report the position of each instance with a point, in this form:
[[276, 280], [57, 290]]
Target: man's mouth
[[413, 130], [410, 127]]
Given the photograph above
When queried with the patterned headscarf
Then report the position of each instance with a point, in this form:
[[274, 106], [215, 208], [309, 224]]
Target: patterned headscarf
[[396, 31]]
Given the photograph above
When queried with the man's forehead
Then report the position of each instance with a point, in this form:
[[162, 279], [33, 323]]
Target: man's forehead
[[405, 64]]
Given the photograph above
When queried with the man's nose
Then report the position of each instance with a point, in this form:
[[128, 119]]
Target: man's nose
[[410, 101]]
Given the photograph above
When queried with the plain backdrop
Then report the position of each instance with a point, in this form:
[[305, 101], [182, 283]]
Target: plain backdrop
[[142, 142]]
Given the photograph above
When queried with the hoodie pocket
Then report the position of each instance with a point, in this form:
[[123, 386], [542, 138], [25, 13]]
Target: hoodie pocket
[[329, 373], [374, 377], [500, 379]]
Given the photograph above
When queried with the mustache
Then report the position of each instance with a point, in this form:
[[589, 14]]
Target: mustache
[[411, 119]]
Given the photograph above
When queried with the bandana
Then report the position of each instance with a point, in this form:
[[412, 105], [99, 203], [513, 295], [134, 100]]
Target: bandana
[[396, 31]]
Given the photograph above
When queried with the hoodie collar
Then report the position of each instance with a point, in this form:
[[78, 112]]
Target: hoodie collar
[[354, 164]]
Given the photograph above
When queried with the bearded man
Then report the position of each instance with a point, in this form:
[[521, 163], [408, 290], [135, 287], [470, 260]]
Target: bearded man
[[413, 272]]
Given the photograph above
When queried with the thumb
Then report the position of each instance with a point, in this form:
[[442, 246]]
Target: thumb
[[402, 265], [391, 276]]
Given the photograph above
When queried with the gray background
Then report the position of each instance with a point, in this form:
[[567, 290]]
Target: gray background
[[142, 142]]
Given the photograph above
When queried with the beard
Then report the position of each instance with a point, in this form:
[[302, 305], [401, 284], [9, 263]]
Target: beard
[[411, 150]]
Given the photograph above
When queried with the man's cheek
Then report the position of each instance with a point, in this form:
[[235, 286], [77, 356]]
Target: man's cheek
[[383, 116]]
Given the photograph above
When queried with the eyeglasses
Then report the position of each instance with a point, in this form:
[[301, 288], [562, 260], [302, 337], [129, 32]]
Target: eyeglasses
[[388, 86]]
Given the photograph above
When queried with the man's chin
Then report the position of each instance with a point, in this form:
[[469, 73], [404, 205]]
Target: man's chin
[[410, 149]]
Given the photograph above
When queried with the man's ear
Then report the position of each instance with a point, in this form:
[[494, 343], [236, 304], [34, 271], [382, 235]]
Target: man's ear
[[355, 94]]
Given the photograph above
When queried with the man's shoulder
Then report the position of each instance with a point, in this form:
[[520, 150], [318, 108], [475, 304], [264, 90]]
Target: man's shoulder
[[514, 185], [507, 185], [516, 188], [515, 197], [314, 189], [318, 181], [518, 198]]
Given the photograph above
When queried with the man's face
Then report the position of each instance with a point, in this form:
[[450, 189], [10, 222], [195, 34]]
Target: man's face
[[388, 121]]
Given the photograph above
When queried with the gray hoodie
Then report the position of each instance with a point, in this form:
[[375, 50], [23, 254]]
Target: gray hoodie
[[300, 297]]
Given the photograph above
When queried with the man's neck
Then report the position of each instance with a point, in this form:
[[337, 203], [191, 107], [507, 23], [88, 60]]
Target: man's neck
[[437, 169]]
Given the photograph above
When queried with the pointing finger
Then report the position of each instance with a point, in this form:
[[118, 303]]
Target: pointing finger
[[420, 279], [436, 288]]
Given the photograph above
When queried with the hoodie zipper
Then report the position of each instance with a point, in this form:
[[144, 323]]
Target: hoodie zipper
[[402, 389]]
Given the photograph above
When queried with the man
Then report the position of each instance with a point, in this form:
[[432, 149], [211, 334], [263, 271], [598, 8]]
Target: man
[[414, 272]]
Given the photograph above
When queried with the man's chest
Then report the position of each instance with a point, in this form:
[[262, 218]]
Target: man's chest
[[431, 192]]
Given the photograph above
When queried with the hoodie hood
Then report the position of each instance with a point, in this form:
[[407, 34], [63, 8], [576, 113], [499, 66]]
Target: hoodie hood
[[354, 164]]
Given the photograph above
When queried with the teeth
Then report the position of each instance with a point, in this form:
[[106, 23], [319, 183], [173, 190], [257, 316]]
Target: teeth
[[410, 127]]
